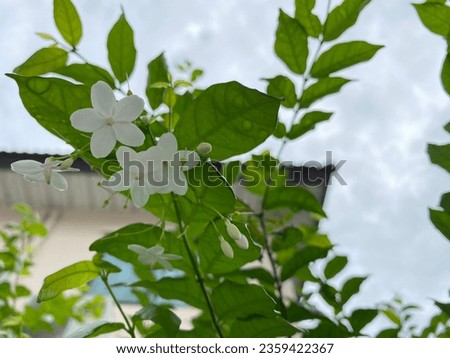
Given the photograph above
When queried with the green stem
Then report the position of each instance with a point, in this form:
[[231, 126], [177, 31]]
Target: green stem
[[276, 277], [195, 267], [130, 328]]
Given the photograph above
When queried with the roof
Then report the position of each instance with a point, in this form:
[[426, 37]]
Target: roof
[[85, 193]]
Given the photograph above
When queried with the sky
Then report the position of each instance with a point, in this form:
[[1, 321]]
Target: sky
[[382, 123]]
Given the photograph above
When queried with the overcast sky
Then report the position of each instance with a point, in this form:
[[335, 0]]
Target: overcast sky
[[381, 126]]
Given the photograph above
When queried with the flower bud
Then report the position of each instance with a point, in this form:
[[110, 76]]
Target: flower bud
[[232, 230], [66, 164], [242, 242], [204, 148], [226, 248]]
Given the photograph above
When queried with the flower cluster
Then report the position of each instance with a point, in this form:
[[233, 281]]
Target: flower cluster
[[158, 169], [238, 237]]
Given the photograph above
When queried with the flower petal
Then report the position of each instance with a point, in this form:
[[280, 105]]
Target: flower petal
[[155, 250], [118, 182], [168, 143], [125, 155], [26, 166], [139, 195], [128, 109], [178, 183], [137, 249], [58, 181], [129, 134], [86, 120], [103, 99], [35, 178], [188, 158], [103, 141], [165, 264]]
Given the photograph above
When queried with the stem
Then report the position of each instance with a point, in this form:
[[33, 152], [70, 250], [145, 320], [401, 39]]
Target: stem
[[195, 267], [273, 265], [130, 329]]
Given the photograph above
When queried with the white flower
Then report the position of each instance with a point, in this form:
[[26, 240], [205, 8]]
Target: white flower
[[169, 164], [242, 242], [152, 255], [109, 121], [232, 230], [204, 148], [134, 176], [48, 172], [226, 248]]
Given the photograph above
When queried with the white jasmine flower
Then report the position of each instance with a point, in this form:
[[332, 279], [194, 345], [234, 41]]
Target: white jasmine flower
[[226, 248], [232, 230], [48, 172], [169, 165], [242, 242], [109, 120], [134, 176], [153, 255]]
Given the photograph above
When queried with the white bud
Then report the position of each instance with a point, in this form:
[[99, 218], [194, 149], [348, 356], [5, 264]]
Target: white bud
[[242, 242], [204, 148], [66, 164], [226, 248], [232, 230]]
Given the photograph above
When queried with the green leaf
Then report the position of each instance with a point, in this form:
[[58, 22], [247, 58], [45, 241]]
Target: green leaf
[[435, 16], [294, 198], [232, 300], [234, 119], [67, 21], [301, 258], [440, 155], [308, 123], [95, 329], [327, 329], [282, 87], [323, 87], [350, 288], [445, 307], [306, 18], [69, 277], [441, 220], [334, 266], [343, 55], [445, 74], [212, 259], [389, 333], [291, 43], [86, 73], [361, 318], [45, 36], [343, 17], [280, 132], [43, 61], [393, 317], [260, 327], [157, 73], [445, 202], [162, 316], [121, 50], [296, 312], [182, 289], [287, 238]]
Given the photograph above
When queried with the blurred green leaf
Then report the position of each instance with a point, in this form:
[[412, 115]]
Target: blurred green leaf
[[291, 43], [293, 198], [439, 155], [441, 220], [393, 317], [69, 277], [162, 316], [334, 266], [95, 329], [67, 21], [260, 327], [36, 229], [45, 60], [327, 329], [282, 87], [323, 87], [157, 73], [86, 73], [308, 123], [389, 333], [445, 202], [342, 56], [301, 258], [232, 300], [280, 131], [287, 238], [361, 318], [351, 288], [121, 50], [445, 307], [306, 18], [435, 16], [343, 17], [232, 118]]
